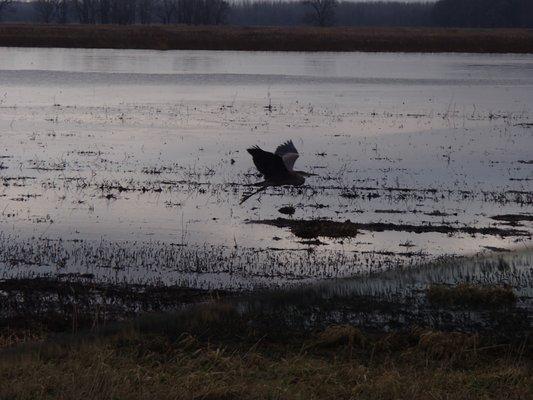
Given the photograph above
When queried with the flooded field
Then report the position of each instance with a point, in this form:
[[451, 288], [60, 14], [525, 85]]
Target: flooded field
[[124, 166]]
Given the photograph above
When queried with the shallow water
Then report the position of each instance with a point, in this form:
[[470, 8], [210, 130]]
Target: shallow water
[[143, 152]]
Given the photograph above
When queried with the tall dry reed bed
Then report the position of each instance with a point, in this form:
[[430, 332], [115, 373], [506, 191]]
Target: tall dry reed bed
[[165, 37]]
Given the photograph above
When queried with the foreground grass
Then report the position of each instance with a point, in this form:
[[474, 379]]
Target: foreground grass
[[166, 37], [211, 354]]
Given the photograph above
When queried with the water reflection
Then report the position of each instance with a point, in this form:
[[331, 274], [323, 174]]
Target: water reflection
[[127, 146]]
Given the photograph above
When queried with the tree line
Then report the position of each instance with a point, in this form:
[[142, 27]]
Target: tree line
[[484, 13], [122, 12], [445, 13]]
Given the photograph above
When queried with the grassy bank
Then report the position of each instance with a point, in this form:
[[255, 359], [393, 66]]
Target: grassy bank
[[73, 338], [166, 37], [211, 354]]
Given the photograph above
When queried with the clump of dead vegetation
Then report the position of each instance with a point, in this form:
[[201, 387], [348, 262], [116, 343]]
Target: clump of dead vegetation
[[471, 295], [337, 335]]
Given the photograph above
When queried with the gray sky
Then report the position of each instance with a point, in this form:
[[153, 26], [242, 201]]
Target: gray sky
[[402, 1]]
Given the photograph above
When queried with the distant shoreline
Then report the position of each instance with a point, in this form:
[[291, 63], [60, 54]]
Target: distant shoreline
[[336, 39]]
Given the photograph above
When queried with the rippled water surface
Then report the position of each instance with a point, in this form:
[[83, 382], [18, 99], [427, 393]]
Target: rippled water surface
[[130, 164]]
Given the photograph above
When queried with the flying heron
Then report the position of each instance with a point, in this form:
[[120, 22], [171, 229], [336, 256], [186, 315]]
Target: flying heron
[[277, 168]]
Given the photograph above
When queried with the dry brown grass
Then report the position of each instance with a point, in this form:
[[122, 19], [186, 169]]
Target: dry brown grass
[[165, 37], [337, 335], [130, 364], [11, 337], [471, 295]]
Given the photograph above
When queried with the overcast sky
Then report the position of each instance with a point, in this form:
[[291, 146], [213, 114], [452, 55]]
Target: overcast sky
[[377, 1], [402, 1]]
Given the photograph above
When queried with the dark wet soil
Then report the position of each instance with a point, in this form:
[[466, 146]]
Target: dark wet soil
[[307, 229], [438, 213], [513, 217], [287, 210], [497, 249]]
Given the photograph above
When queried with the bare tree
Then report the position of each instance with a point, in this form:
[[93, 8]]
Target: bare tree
[[62, 11], [202, 12], [322, 11], [46, 9], [206, 12], [4, 6], [86, 10], [185, 11], [218, 11], [104, 9], [145, 11], [123, 11], [166, 10]]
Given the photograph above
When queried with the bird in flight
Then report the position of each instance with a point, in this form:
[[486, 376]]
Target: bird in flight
[[277, 168]]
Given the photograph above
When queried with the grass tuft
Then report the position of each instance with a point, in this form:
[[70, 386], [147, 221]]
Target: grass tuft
[[444, 345], [340, 335], [471, 295]]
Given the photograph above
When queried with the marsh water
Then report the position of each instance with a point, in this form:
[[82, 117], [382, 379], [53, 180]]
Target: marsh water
[[129, 165]]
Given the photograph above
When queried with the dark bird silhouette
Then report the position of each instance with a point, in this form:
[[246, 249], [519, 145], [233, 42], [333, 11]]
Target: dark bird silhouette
[[277, 168]]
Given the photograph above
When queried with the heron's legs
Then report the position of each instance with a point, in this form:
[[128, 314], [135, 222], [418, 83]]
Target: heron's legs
[[247, 196]]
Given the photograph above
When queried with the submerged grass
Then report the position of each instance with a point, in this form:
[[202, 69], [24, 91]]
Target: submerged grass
[[166, 37]]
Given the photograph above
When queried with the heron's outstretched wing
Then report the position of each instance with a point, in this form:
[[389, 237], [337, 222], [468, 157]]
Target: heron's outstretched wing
[[288, 153], [284, 148], [270, 165]]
